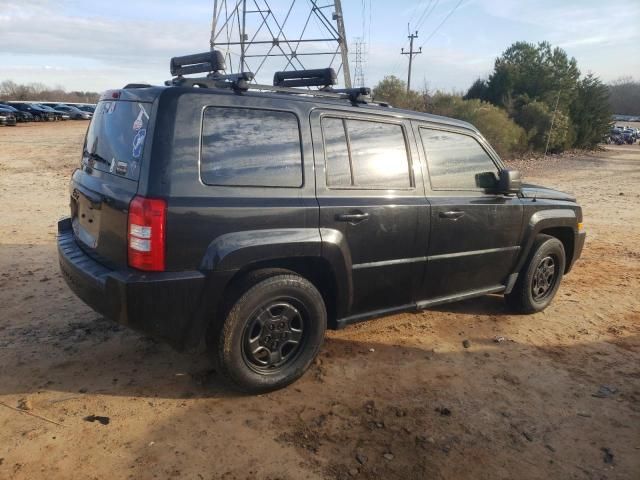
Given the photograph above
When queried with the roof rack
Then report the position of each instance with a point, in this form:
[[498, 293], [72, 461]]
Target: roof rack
[[283, 82], [320, 77]]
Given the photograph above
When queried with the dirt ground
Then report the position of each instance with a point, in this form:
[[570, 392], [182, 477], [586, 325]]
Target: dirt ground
[[554, 395]]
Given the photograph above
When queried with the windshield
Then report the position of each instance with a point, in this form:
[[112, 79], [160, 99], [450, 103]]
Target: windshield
[[116, 137]]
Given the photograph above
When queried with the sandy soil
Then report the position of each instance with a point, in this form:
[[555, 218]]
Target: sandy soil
[[395, 398]]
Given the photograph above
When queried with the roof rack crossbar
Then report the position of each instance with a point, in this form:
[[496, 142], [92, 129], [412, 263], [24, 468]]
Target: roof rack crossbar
[[235, 81]]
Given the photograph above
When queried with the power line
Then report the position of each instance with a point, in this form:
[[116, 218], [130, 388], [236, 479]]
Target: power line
[[426, 13], [442, 23]]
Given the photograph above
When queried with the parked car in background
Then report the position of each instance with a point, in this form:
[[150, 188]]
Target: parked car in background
[[58, 114], [629, 136], [20, 116], [73, 112], [39, 113], [87, 108], [7, 118]]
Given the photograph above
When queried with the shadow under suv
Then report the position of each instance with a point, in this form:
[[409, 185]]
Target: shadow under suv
[[250, 218]]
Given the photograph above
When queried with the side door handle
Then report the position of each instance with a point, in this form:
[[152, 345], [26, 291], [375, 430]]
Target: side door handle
[[352, 218], [451, 215]]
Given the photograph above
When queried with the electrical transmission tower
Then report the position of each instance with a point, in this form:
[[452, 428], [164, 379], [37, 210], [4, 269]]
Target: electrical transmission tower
[[304, 34], [360, 57]]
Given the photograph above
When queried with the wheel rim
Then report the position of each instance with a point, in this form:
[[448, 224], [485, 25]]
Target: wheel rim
[[274, 336], [544, 278]]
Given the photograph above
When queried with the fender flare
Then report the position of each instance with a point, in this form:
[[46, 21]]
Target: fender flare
[[233, 251], [542, 220]]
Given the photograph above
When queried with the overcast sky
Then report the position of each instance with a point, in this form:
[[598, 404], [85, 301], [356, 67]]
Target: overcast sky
[[95, 45]]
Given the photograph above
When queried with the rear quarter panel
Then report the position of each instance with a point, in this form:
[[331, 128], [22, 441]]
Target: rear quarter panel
[[199, 214]]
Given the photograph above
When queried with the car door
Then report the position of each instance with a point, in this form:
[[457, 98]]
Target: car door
[[475, 235], [370, 194]]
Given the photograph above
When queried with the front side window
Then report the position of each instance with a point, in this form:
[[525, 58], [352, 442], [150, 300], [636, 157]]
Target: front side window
[[455, 160], [365, 154], [250, 147]]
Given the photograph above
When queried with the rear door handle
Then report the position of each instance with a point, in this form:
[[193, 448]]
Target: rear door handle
[[451, 215], [352, 217]]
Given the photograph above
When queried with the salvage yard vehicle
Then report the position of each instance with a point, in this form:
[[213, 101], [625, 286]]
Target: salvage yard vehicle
[[73, 112], [249, 218], [86, 108], [7, 118], [20, 116], [57, 114], [39, 114]]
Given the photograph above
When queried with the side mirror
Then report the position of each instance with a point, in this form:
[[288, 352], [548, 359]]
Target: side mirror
[[509, 182], [487, 181]]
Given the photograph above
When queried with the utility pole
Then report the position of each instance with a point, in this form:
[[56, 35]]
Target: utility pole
[[344, 50], [411, 54], [551, 127]]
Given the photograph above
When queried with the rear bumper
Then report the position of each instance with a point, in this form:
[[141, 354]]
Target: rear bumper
[[166, 305]]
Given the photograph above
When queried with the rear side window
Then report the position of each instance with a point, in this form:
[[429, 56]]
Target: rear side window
[[365, 154], [116, 137], [454, 160], [250, 147]]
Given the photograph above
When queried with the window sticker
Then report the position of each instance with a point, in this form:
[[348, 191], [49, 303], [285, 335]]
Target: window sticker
[[138, 142], [139, 121]]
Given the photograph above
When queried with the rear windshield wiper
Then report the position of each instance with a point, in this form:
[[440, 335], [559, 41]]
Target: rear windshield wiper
[[96, 157]]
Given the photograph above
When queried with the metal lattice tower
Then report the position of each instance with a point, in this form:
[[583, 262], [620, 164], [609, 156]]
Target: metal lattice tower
[[257, 38], [360, 57]]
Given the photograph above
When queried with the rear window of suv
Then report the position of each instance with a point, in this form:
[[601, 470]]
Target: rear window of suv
[[251, 148], [116, 138], [365, 154]]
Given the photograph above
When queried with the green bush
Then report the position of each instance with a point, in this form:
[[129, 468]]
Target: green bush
[[394, 91], [536, 118]]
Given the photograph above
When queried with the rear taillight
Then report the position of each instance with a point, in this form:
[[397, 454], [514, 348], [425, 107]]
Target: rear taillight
[[145, 233]]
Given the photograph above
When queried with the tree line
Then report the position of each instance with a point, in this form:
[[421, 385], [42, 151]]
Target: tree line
[[624, 96], [10, 90], [535, 99]]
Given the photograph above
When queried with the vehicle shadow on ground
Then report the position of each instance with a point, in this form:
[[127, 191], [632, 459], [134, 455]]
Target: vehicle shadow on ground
[[50, 340], [503, 405]]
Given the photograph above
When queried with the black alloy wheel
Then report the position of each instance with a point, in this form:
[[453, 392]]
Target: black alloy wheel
[[274, 335], [539, 279], [272, 330], [544, 278]]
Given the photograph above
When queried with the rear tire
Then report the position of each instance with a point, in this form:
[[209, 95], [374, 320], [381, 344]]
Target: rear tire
[[540, 277], [271, 333]]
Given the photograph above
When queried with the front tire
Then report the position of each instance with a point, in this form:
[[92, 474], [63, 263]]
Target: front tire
[[540, 277], [271, 334]]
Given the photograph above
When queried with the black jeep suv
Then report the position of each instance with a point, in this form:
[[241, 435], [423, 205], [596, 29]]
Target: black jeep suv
[[249, 218]]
